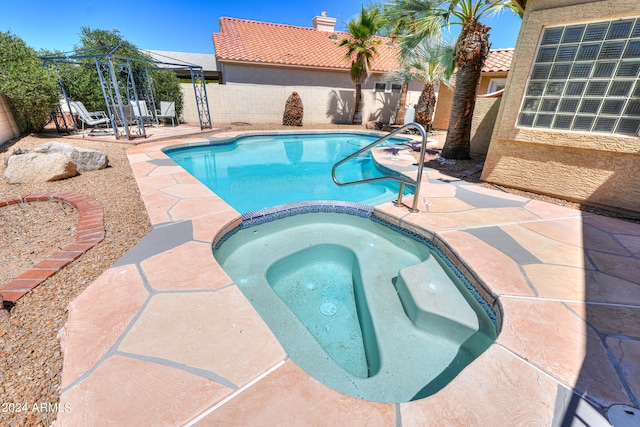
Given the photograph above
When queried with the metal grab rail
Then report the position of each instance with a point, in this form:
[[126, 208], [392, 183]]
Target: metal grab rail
[[401, 179]]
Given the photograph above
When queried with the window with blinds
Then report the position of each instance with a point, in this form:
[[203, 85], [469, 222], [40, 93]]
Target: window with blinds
[[586, 77]]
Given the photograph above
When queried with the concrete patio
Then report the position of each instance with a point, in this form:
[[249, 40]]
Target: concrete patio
[[165, 337]]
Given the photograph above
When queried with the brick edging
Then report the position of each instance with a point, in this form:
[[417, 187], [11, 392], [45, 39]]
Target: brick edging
[[89, 232]]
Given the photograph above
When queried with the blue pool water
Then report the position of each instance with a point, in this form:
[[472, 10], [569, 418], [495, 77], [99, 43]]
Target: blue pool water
[[257, 172], [365, 308]]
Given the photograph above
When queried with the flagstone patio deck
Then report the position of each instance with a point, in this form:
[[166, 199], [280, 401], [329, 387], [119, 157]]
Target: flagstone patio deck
[[165, 337]]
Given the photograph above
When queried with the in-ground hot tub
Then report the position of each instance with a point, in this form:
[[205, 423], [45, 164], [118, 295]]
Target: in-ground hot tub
[[364, 307]]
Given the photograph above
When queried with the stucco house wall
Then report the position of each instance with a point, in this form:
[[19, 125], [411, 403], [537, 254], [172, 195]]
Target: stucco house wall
[[597, 168], [286, 76], [8, 127], [445, 99], [264, 103], [262, 63]]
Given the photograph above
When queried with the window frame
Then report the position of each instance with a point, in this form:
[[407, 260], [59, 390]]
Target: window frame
[[388, 86], [582, 80], [495, 82], [375, 86]]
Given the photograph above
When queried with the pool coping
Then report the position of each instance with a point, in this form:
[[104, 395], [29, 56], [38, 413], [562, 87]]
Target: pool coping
[[509, 381]]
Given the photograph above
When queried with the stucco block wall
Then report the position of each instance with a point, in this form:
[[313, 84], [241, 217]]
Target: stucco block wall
[[262, 103], [8, 127], [590, 167], [258, 93], [445, 99], [484, 119], [443, 108]]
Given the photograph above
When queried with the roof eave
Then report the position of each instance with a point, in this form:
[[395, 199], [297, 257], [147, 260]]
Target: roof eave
[[522, 3], [494, 72]]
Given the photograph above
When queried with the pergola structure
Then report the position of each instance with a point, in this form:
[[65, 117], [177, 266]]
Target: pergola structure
[[124, 87]]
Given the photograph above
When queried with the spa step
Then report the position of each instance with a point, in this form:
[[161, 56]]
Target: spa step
[[434, 303]]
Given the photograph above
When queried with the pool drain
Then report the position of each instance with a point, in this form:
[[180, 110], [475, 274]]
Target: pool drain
[[328, 308]]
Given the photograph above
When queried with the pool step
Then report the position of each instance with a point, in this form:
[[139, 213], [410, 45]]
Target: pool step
[[434, 303]]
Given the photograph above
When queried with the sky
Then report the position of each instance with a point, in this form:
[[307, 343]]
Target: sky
[[184, 26]]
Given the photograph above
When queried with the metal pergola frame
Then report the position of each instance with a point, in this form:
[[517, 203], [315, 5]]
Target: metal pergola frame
[[122, 85]]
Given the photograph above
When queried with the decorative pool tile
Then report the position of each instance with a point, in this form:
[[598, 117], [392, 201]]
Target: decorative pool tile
[[252, 219]]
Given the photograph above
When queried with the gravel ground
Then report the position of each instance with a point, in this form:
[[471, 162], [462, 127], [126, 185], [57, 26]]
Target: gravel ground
[[57, 229], [30, 355]]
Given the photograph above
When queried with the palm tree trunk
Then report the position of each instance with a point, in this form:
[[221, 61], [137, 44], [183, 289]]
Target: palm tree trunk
[[357, 109], [426, 105], [473, 49], [402, 104], [458, 142]]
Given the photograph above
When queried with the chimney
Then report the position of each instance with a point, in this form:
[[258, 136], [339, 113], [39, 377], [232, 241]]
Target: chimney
[[324, 23]]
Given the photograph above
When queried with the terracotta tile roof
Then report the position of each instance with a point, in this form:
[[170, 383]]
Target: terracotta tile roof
[[499, 60], [267, 43]]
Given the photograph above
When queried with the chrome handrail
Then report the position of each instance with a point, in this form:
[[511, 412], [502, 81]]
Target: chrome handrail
[[401, 179]]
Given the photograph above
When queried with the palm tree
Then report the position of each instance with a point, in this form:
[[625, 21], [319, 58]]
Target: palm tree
[[422, 19], [361, 47], [405, 75], [431, 60]]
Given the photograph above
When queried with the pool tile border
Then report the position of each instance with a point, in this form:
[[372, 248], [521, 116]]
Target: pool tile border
[[89, 232], [491, 305]]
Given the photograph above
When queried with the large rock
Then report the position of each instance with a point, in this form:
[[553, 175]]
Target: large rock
[[84, 158], [36, 167]]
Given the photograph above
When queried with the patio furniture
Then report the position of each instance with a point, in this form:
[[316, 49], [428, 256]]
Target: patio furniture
[[139, 109], [122, 117], [167, 111], [91, 119]]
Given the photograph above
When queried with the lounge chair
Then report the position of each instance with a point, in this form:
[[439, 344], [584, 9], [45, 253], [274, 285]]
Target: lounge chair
[[91, 119], [167, 111], [139, 109]]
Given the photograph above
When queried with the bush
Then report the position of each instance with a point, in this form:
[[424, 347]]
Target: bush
[[32, 90]]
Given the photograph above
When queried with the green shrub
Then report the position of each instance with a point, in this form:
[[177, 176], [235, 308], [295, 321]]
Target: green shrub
[[32, 90]]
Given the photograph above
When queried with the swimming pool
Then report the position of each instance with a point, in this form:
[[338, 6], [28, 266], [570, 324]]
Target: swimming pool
[[366, 308], [363, 306], [256, 172]]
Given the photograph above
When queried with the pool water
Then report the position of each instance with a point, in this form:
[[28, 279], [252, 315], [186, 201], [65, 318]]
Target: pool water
[[317, 285], [257, 172], [360, 306]]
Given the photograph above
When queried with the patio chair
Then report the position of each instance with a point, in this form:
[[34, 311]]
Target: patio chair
[[91, 119], [167, 111], [140, 107]]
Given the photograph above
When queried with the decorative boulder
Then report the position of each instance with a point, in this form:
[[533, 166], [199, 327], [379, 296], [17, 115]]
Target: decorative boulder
[[36, 167], [374, 125], [15, 152], [293, 111], [84, 158]]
